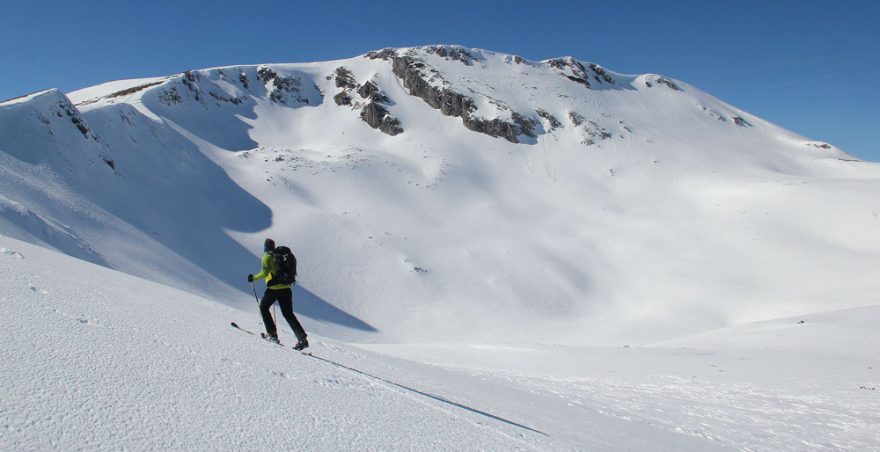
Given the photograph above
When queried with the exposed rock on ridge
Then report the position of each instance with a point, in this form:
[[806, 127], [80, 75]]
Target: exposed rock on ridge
[[200, 86], [411, 71], [575, 71], [285, 90], [373, 112]]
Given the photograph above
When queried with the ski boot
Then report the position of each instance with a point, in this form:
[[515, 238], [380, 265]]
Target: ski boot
[[271, 337]]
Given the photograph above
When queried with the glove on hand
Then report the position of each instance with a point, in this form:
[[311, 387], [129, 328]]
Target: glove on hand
[[250, 278]]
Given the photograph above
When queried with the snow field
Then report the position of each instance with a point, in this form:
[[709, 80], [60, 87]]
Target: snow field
[[660, 271], [98, 359]]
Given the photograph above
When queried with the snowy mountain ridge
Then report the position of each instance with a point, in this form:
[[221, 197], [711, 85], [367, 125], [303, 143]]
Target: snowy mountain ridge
[[494, 254], [447, 193]]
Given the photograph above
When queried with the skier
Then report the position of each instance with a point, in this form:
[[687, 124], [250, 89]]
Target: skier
[[280, 293]]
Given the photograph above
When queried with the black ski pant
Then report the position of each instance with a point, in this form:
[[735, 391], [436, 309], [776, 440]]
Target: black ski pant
[[284, 297]]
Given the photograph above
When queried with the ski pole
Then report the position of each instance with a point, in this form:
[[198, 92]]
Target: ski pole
[[255, 293], [258, 302]]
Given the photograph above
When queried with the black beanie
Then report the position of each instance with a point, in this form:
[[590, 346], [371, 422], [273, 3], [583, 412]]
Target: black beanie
[[268, 245]]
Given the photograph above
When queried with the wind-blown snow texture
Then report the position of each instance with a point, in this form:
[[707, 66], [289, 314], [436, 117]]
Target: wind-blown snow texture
[[455, 196], [118, 362], [98, 359]]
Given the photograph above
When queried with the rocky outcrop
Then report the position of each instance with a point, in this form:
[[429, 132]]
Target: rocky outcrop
[[227, 99], [344, 79], [265, 74], [384, 54], [285, 90], [662, 81], [200, 86], [669, 83], [494, 128], [600, 75], [575, 71], [554, 123], [571, 69], [191, 81], [502, 129], [455, 53], [64, 108], [343, 98], [740, 121], [593, 132], [370, 91], [413, 73], [134, 89], [526, 125], [412, 68], [373, 112], [80, 125], [590, 130], [450, 103], [367, 90], [170, 96], [378, 117]]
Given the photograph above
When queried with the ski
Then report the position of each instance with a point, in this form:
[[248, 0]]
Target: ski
[[235, 325], [263, 335], [307, 353]]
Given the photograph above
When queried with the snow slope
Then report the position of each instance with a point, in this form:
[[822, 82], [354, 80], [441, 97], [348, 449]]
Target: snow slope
[[552, 201], [494, 253], [96, 359]]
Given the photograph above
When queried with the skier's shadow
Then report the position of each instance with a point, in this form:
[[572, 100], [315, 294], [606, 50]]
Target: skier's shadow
[[315, 307]]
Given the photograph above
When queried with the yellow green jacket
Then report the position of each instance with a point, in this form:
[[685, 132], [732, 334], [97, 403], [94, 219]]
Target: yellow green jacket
[[267, 268]]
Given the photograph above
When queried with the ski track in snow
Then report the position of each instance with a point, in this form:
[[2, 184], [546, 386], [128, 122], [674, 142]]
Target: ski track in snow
[[111, 368], [104, 360], [98, 359], [650, 211]]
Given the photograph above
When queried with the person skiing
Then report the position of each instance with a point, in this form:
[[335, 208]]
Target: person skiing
[[280, 293]]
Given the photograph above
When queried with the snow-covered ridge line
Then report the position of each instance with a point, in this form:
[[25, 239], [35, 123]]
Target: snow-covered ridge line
[[46, 109], [501, 238], [28, 97], [423, 194], [415, 68]]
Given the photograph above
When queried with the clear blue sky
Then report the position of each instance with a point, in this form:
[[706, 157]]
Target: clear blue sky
[[810, 66]]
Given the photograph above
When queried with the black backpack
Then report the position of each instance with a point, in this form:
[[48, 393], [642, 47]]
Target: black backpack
[[285, 267]]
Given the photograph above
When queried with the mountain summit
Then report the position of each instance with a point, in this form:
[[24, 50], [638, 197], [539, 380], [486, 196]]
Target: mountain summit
[[443, 192]]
